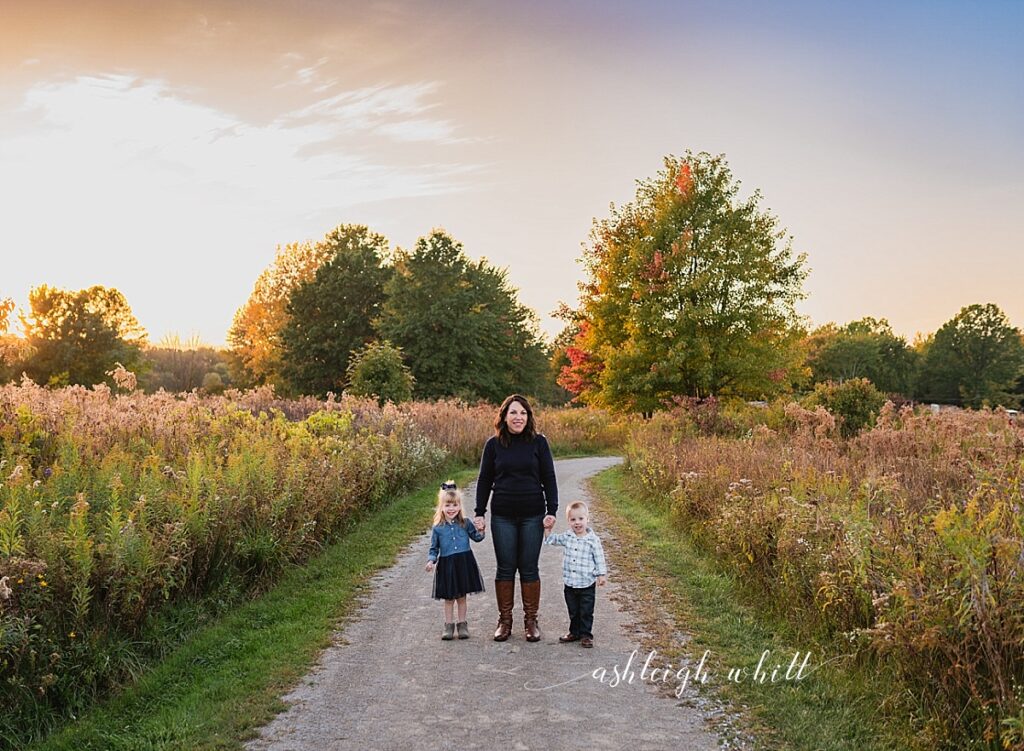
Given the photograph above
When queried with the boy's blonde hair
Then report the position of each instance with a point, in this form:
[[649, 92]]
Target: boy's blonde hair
[[448, 492], [575, 505]]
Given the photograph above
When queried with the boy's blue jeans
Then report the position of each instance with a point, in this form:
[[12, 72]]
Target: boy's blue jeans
[[517, 541], [580, 601]]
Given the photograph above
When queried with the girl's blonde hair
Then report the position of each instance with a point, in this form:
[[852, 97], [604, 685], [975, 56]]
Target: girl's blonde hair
[[448, 492]]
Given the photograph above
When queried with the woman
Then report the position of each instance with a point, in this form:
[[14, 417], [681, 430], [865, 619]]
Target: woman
[[518, 467]]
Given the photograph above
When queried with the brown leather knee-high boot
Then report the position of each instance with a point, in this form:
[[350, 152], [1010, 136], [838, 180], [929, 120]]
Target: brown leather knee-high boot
[[531, 605], [505, 594]]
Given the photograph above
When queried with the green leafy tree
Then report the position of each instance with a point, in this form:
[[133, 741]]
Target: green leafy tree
[[459, 324], [331, 315], [255, 334], [76, 337], [378, 370], [974, 359], [867, 348], [690, 292]]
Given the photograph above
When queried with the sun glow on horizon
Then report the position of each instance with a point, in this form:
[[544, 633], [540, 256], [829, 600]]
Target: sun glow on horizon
[[166, 149], [136, 168]]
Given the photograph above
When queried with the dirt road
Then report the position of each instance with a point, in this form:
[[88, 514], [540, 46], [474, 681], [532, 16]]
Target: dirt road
[[391, 683]]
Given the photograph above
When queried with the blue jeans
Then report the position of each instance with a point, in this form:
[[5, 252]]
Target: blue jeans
[[580, 602], [517, 541]]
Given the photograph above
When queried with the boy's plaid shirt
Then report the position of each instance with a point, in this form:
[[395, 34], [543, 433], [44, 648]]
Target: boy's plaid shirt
[[583, 561]]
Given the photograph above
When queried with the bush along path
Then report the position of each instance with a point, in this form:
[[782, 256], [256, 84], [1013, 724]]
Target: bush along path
[[817, 703], [389, 682], [226, 679]]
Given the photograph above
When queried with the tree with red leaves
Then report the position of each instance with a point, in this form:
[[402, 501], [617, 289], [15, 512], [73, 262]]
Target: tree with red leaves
[[691, 292]]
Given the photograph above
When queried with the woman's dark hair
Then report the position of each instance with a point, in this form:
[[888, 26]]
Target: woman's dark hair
[[501, 427]]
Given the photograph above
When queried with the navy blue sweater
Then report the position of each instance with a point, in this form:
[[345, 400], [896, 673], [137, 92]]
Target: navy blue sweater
[[522, 476]]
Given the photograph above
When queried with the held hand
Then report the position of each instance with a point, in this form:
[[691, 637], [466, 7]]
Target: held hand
[[549, 522], [601, 580], [478, 522], [430, 565]]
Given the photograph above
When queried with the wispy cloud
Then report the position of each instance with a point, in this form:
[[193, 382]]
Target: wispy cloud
[[439, 131], [135, 172], [331, 153], [364, 109]]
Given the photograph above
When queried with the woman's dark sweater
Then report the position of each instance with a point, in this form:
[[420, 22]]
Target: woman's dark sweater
[[522, 476]]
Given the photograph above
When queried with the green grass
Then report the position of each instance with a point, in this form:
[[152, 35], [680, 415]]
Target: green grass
[[223, 683], [832, 709]]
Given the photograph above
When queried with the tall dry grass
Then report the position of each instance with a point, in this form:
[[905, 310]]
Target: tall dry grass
[[115, 506], [903, 545]]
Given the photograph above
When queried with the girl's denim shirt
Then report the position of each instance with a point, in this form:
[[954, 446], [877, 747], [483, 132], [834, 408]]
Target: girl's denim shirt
[[450, 538]]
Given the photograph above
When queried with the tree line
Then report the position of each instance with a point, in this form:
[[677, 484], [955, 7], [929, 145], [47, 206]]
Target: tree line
[[689, 291], [429, 322]]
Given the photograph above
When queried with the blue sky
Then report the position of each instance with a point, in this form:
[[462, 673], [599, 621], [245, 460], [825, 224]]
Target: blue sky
[[166, 149]]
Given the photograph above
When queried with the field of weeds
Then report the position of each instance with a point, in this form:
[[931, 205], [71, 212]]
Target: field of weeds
[[115, 508], [900, 547]]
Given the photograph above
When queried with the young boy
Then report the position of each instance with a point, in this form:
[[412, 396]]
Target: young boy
[[582, 565]]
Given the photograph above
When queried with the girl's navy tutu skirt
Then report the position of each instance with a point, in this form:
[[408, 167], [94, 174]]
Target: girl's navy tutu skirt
[[457, 575]]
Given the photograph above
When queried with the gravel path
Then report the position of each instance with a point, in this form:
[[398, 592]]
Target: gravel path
[[391, 683]]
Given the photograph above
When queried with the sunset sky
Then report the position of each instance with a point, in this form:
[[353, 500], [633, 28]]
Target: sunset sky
[[166, 148]]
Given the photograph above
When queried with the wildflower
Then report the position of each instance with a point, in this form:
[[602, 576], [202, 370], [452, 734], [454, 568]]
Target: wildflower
[[43, 583], [123, 378], [72, 635]]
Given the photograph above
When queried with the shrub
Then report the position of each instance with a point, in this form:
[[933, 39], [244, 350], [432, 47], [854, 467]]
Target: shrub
[[378, 370], [856, 401]]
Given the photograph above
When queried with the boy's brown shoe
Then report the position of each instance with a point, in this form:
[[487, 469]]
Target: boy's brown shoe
[[587, 642], [569, 637]]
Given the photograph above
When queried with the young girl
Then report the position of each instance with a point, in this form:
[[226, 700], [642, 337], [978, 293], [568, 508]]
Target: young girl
[[456, 573]]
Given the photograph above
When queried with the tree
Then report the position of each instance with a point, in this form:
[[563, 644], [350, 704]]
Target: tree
[[78, 336], [255, 334], [13, 349], [330, 316], [867, 348], [6, 308], [974, 359], [378, 370], [690, 291], [459, 324], [177, 366], [558, 358]]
